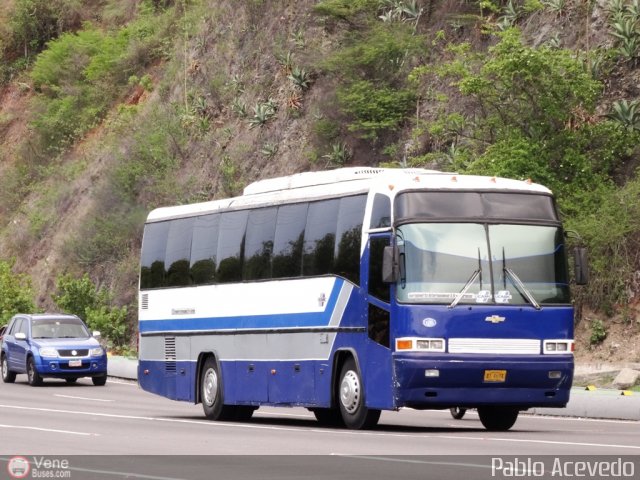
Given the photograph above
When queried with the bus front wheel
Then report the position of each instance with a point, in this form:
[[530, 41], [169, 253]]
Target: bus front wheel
[[211, 392], [498, 419], [351, 399]]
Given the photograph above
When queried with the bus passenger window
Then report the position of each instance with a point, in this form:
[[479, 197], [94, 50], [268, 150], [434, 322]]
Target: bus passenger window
[[288, 242], [231, 246], [204, 249], [154, 246], [258, 248], [320, 237], [178, 252], [348, 236]]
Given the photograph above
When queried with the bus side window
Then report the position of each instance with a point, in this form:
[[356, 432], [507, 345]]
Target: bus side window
[[348, 237], [258, 248], [204, 247], [178, 253], [320, 237], [231, 246], [381, 212], [154, 246], [289, 240]]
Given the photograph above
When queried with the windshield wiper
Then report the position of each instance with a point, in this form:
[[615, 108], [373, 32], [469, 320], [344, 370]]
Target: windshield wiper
[[524, 291], [466, 287], [472, 278]]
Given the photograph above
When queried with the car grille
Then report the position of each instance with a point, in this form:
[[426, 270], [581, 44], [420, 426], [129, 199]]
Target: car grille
[[79, 353]]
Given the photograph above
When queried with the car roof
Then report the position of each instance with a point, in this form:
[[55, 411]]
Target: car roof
[[47, 316]]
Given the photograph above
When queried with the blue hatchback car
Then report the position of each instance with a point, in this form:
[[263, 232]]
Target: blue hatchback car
[[51, 346]]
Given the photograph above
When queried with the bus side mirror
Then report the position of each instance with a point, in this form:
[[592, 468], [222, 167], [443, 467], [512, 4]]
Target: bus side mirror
[[581, 265], [390, 265]]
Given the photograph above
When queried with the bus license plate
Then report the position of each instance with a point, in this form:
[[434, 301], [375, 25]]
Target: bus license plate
[[78, 363], [495, 375]]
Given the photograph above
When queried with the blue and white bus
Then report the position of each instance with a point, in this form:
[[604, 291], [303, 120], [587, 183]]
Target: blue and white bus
[[358, 290]]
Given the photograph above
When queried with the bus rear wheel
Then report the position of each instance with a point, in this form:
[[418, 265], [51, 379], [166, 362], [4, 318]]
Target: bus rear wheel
[[351, 399], [498, 419], [211, 392]]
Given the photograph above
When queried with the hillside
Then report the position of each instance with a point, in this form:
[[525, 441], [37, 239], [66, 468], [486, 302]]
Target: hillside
[[110, 108]]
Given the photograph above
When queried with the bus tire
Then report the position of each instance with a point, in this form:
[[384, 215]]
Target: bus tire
[[351, 402], [211, 392], [457, 412], [498, 419]]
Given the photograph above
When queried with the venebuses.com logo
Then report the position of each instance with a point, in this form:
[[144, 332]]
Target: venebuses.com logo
[[38, 467]]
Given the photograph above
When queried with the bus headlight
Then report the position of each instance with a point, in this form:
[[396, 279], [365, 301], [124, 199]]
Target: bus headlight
[[561, 347], [413, 344]]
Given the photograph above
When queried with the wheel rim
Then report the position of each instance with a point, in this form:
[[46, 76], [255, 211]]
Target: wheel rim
[[350, 392], [210, 387], [5, 368], [30, 372]]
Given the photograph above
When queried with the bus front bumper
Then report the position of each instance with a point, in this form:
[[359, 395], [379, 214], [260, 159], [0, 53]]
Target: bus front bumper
[[464, 381]]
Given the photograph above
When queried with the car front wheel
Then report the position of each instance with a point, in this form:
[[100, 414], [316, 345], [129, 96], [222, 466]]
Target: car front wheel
[[7, 375], [33, 376], [99, 381]]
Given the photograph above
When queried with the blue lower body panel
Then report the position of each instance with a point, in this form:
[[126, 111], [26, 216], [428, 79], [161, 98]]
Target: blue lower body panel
[[461, 381]]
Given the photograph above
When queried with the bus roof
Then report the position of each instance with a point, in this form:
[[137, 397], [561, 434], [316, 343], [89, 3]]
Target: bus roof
[[344, 181]]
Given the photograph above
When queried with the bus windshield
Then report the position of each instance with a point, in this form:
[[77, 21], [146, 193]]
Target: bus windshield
[[451, 263]]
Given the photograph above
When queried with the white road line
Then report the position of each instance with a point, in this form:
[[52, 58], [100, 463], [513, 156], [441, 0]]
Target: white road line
[[327, 431], [83, 398], [51, 430]]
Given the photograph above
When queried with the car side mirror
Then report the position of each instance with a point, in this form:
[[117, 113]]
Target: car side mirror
[[390, 264], [20, 336], [96, 334], [581, 265]]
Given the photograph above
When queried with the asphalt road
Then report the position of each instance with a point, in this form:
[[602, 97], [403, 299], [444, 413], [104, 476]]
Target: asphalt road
[[70, 421]]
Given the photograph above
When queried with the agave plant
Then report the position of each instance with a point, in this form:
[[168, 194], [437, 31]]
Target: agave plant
[[626, 113], [625, 28], [269, 150], [300, 78], [629, 48], [239, 108], [262, 113], [338, 155]]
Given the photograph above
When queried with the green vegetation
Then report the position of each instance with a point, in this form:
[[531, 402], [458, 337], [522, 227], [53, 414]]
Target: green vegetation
[[16, 295], [598, 332], [81, 297]]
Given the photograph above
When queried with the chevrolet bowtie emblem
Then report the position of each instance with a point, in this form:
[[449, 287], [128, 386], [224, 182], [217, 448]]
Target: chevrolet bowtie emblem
[[494, 319]]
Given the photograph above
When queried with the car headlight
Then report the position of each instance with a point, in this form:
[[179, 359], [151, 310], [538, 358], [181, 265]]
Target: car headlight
[[96, 352], [48, 352]]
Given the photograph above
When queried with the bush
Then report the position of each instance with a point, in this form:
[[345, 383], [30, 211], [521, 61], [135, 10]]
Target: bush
[[16, 295], [598, 332], [81, 297], [375, 109]]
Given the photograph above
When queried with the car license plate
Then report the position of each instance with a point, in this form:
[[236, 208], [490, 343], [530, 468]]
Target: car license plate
[[495, 375], [75, 363]]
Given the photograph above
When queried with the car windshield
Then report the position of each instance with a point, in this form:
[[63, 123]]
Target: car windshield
[[453, 263], [59, 328]]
